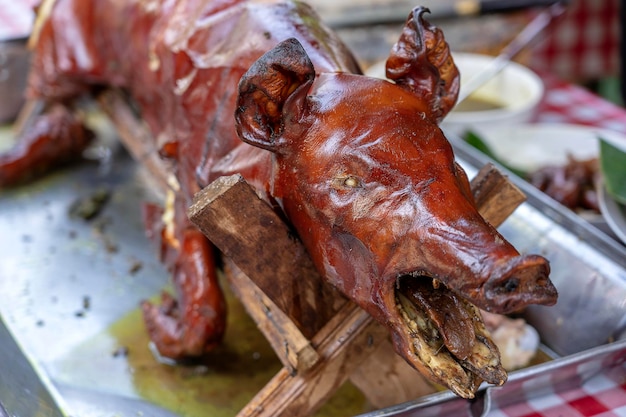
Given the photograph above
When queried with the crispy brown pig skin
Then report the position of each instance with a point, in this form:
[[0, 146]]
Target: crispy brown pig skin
[[379, 199], [180, 62], [50, 140], [358, 166]]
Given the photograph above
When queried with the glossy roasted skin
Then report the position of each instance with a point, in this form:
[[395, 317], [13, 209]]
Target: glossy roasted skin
[[358, 166], [380, 201], [181, 63], [58, 137]]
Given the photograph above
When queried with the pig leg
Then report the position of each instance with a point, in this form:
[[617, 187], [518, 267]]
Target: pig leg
[[53, 138], [194, 323]]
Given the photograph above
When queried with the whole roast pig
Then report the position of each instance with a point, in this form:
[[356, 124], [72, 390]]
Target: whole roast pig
[[358, 166]]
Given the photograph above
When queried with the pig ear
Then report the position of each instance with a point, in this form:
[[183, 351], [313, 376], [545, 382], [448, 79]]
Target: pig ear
[[421, 62], [265, 87]]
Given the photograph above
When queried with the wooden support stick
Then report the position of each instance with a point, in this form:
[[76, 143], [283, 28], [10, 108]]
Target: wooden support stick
[[343, 344], [386, 379], [248, 231], [496, 197], [293, 349], [135, 136]]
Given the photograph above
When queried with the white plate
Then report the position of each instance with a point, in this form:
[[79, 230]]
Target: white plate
[[529, 147], [532, 146]]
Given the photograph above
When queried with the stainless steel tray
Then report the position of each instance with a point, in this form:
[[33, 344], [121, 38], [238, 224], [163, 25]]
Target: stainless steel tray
[[71, 288]]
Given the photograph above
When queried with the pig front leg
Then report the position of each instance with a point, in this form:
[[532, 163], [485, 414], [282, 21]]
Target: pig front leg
[[194, 323], [53, 138]]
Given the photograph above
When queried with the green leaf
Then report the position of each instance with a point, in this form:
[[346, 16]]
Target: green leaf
[[474, 140], [613, 167]]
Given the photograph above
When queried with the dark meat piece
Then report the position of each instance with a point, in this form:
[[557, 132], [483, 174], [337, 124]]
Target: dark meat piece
[[572, 184]]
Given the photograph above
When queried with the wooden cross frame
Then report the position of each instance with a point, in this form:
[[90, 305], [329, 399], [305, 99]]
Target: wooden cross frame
[[321, 338]]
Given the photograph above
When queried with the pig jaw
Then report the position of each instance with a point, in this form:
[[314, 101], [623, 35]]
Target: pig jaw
[[441, 333], [421, 301], [458, 357]]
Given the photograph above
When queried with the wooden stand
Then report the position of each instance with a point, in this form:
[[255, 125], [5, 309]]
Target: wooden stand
[[321, 338], [265, 263]]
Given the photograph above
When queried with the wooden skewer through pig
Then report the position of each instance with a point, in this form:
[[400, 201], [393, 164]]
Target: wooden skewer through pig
[[358, 167]]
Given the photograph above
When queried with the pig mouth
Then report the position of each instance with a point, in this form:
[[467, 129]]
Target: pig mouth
[[446, 335]]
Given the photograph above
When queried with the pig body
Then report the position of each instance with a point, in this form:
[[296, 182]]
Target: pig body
[[357, 165]]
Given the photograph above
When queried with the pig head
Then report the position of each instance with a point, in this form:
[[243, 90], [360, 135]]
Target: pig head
[[368, 180]]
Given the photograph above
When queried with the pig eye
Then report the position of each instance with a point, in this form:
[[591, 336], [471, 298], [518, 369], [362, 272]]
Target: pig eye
[[351, 182], [347, 181]]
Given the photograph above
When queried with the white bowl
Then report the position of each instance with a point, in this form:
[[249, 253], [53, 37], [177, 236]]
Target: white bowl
[[516, 89]]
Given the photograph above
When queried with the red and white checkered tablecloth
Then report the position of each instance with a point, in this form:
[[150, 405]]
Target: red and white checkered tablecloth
[[564, 102], [583, 44], [603, 395]]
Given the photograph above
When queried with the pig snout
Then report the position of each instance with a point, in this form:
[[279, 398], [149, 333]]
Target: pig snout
[[518, 282], [470, 258]]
